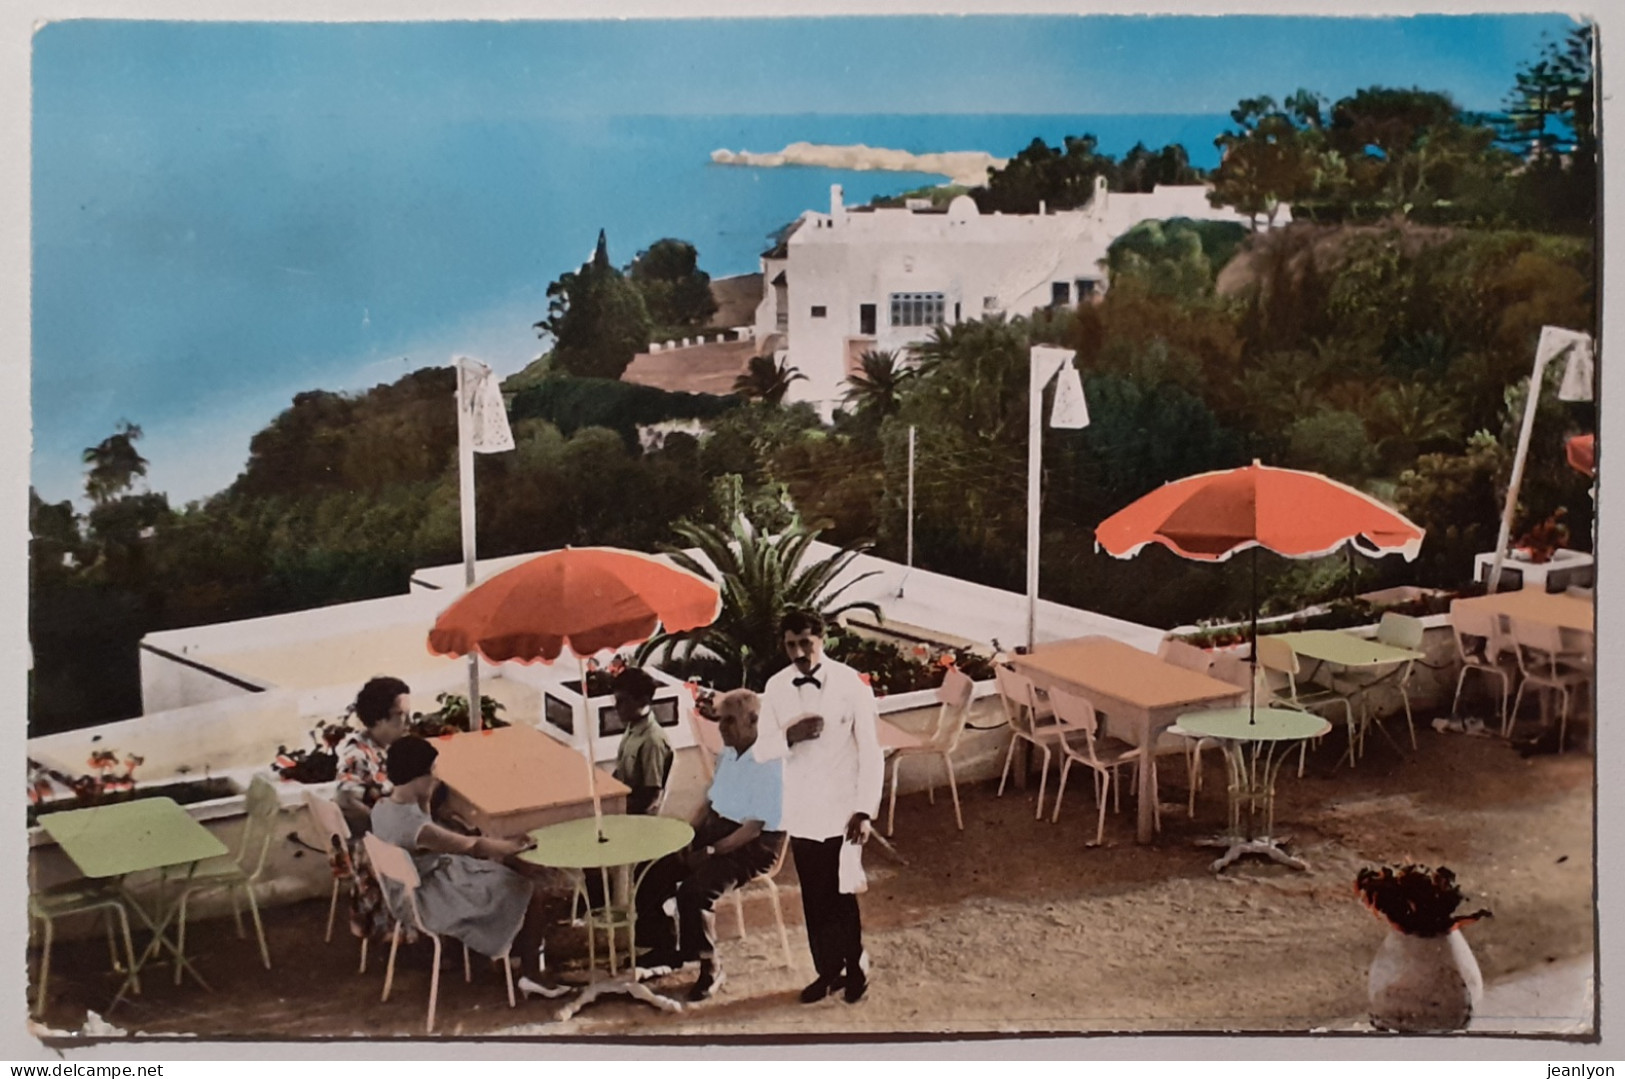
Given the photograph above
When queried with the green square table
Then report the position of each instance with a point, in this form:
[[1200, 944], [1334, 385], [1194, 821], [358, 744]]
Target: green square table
[[624, 841], [1255, 742], [112, 842], [1351, 653]]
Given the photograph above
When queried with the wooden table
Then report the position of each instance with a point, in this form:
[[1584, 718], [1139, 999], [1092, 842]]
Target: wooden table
[[112, 842], [1531, 605], [512, 780], [1144, 695]]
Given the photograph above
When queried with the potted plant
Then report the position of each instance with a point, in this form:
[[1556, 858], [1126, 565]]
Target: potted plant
[[1424, 976], [452, 716], [1545, 539]]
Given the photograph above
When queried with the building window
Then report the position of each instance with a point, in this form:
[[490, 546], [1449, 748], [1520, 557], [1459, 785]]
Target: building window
[[1060, 293], [1086, 289], [916, 308], [819, 311]]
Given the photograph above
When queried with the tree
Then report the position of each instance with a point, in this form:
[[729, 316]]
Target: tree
[[1277, 156], [762, 575], [1551, 114], [767, 380], [114, 464], [1407, 148], [1177, 258], [874, 390], [675, 290], [1143, 169], [596, 318], [1061, 178]]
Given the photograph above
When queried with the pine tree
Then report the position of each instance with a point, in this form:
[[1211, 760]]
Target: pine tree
[[596, 318]]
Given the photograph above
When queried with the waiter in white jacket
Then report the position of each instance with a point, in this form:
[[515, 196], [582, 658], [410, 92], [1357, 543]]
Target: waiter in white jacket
[[822, 717]]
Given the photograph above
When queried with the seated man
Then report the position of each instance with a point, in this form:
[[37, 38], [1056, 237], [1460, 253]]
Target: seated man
[[644, 760], [736, 837]]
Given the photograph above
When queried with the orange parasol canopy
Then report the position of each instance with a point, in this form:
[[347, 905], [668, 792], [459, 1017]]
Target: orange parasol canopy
[[586, 598], [1212, 516], [1582, 453]]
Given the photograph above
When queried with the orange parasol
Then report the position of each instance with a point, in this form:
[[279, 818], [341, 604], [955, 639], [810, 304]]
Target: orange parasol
[[1210, 517], [585, 599], [1297, 514], [1582, 453]]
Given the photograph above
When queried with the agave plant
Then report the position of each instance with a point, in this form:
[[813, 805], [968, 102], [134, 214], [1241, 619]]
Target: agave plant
[[762, 576]]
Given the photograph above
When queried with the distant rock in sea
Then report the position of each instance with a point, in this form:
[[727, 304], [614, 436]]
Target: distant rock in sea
[[966, 167]]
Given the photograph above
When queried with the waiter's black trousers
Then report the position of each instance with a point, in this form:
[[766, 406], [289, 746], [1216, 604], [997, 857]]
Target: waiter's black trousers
[[834, 932]]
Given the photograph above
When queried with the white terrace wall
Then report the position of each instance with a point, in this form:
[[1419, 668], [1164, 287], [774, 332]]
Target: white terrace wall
[[205, 739]]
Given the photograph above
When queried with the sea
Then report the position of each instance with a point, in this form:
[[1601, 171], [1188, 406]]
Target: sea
[[192, 282]]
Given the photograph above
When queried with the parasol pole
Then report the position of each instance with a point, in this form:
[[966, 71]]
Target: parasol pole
[[592, 750], [1252, 658]]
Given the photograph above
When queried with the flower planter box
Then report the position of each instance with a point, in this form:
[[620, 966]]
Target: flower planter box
[[562, 709], [1565, 569], [183, 792]]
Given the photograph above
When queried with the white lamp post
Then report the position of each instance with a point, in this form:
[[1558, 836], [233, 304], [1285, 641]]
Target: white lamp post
[[1070, 411]]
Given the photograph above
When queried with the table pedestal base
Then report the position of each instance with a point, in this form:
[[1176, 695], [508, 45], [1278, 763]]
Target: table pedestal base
[[624, 984], [1237, 848]]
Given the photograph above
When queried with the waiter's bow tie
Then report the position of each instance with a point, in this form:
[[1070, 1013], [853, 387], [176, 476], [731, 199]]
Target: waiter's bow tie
[[811, 678]]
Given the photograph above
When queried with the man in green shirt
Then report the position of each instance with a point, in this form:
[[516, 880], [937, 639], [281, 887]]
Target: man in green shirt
[[644, 759]]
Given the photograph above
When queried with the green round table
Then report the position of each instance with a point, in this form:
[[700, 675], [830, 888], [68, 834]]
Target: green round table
[[618, 842], [1256, 742], [627, 840]]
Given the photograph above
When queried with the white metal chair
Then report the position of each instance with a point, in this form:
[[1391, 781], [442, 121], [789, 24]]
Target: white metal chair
[[1277, 656], [239, 874], [1029, 722], [768, 880], [1184, 654], [1402, 631], [81, 897], [1542, 662], [1479, 647], [1226, 667], [335, 833], [391, 863], [955, 695], [1102, 755]]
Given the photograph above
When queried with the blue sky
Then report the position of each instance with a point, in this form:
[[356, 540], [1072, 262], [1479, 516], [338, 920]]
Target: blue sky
[[225, 214]]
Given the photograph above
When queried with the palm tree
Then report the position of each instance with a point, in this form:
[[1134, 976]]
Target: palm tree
[[114, 464], [762, 576], [767, 379], [877, 388]]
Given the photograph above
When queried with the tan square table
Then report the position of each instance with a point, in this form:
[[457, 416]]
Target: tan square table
[[513, 780], [1142, 694], [1532, 605]]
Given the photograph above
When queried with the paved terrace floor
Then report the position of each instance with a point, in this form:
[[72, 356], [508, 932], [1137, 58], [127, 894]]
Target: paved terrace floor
[[1015, 925]]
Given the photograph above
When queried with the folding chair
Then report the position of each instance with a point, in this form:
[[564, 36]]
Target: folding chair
[[769, 884], [391, 863], [1102, 755], [335, 831], [955, 695]]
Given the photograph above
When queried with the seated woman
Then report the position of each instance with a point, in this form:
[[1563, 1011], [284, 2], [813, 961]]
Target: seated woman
[[464, 892]]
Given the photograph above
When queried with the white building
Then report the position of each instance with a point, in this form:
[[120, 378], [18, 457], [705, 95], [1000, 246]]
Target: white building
[[858, 279]]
